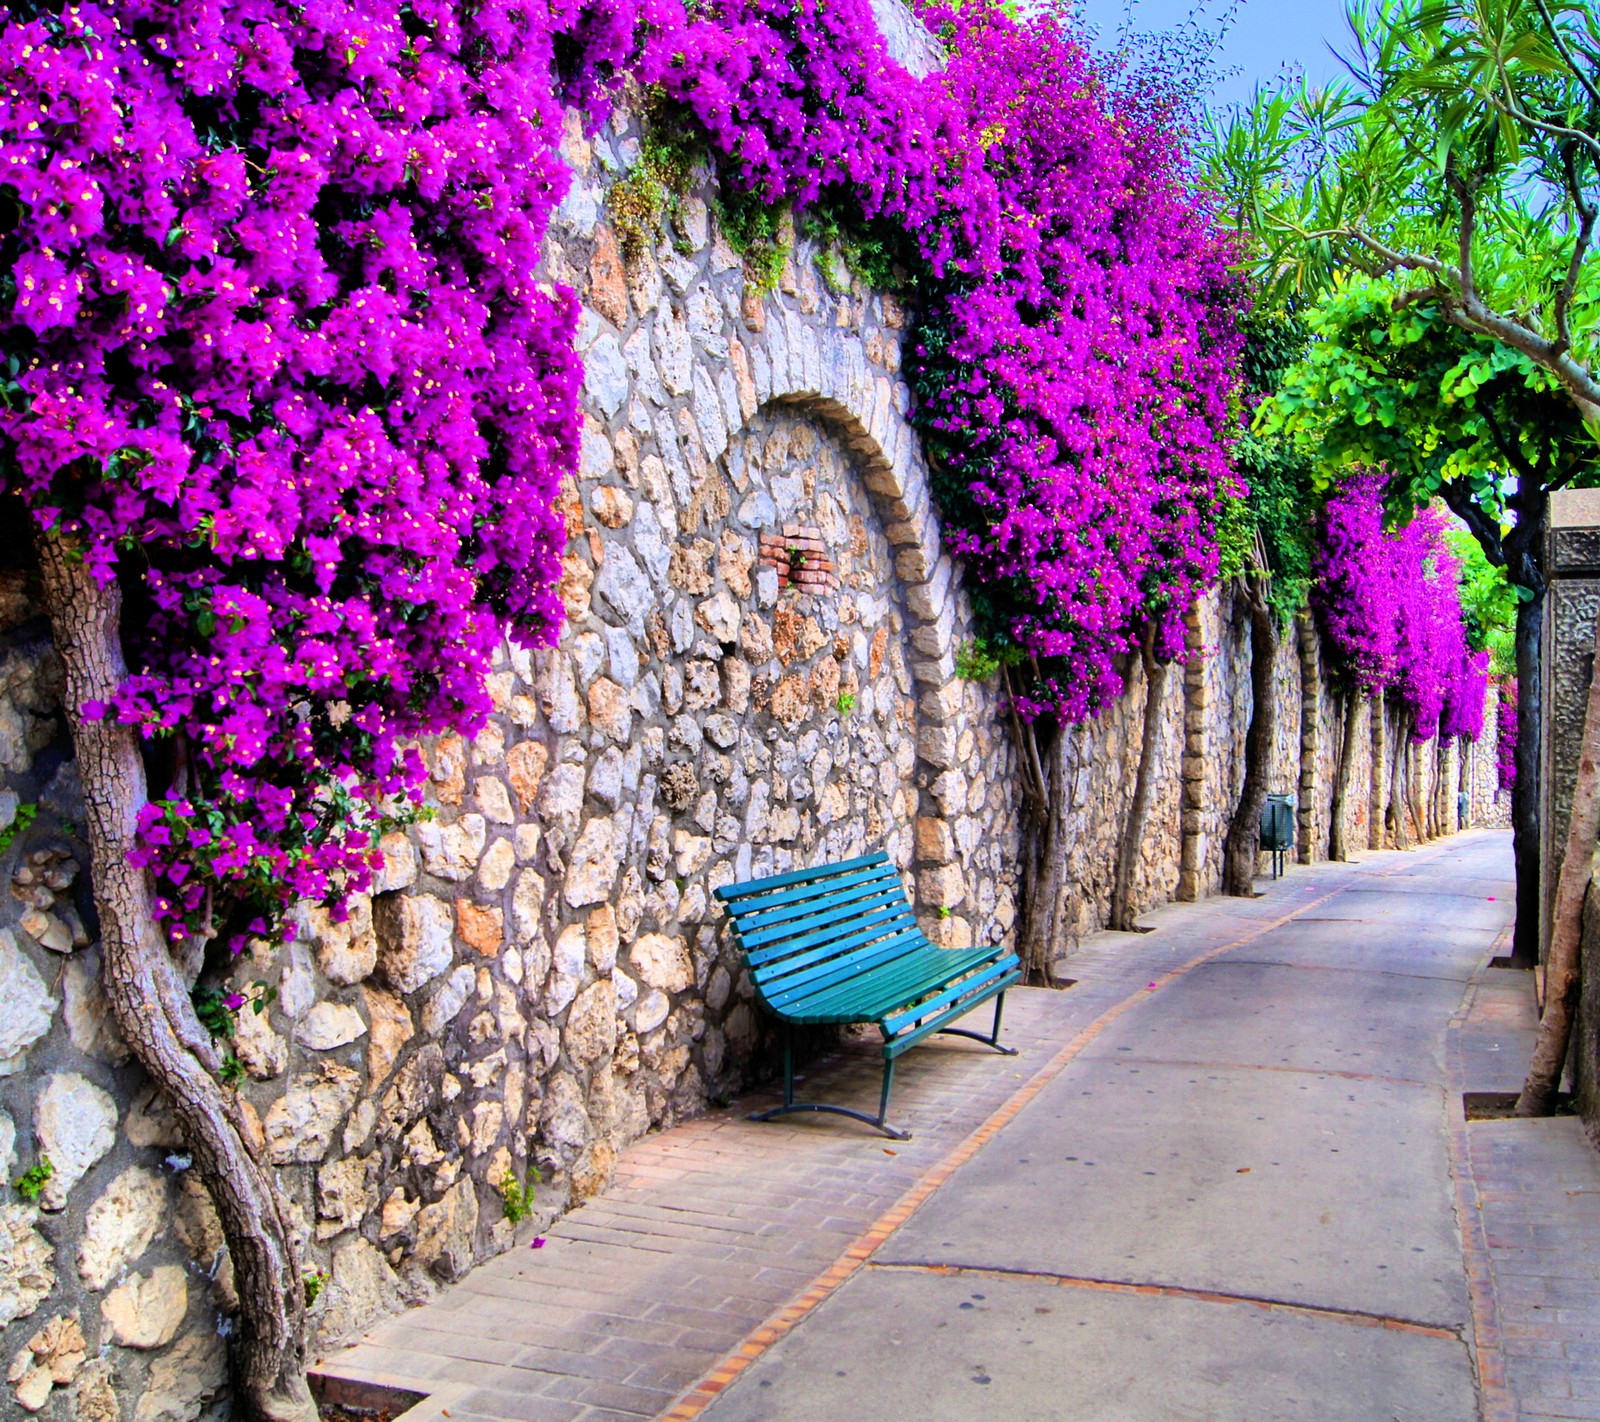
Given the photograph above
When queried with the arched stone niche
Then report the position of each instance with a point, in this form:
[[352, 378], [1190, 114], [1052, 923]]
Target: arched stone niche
[[816, 631]]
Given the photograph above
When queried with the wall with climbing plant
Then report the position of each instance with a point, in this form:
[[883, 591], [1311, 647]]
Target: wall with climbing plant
[[771, 388]]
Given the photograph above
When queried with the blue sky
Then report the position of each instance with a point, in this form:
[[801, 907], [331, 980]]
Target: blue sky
[[1267, 35]]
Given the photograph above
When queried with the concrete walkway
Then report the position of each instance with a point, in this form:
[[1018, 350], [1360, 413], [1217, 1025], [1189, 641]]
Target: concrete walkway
[[1226, 1179]]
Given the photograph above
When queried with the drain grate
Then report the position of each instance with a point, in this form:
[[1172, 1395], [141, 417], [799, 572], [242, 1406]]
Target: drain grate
[[1502, 1105], [349, 1400]]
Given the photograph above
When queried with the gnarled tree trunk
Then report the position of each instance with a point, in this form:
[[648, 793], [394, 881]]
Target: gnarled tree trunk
[[1399, 787], [1338, 829], [1378, 813], [154, 1013], [1155, 687], [1525, 793], [1561, 977], [1044, 931], [1241, 853]]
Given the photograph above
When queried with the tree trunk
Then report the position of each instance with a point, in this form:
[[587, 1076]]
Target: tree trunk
[[1310, 737], [1338, 830], [1155, 686], [1566, 926], [1241, 853], [154, 1013], [1043, 932], [1525, 793], [1378, 810], [1422, 788], [1399, 787]]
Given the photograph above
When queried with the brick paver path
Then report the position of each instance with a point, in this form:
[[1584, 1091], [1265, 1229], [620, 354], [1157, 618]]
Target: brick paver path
[[708, 1229], [717, 1226]]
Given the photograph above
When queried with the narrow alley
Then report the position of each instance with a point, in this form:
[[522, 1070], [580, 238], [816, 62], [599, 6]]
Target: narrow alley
[[1228, 1177]]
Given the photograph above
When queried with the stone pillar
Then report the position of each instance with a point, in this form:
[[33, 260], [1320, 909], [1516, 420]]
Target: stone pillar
[[1196, 703], [1572, 603]]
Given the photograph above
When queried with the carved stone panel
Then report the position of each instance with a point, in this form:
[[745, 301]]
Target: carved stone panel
[[1573, 604], [1575, 552]]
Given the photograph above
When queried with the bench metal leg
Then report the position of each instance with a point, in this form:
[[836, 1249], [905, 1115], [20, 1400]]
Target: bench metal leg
[[790, 1105], [992, 1040]]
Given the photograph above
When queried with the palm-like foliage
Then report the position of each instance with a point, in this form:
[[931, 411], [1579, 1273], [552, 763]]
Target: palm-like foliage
[[1461, 160]]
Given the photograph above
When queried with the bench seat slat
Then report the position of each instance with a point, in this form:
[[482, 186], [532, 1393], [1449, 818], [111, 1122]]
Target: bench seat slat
[[782, 991], [871, 996], [903, 986], [1008, 976], [898, 1021], [731, 893]]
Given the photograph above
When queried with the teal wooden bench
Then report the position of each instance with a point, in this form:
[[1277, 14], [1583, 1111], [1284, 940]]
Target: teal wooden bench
[[839, 944]]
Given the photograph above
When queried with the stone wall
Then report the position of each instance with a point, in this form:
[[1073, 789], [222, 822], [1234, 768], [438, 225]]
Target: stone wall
[[758, 671]]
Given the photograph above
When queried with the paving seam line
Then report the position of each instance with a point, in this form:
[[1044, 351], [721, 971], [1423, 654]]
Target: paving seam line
[[1360, 1318], [763, 1336], [1260, 1066], [1495, 1400], [1336, 968]]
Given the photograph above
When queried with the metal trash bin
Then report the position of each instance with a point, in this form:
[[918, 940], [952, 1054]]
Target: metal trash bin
[[1277, 829]]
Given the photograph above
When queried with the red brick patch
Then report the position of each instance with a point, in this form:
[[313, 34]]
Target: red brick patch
[[800, 556]]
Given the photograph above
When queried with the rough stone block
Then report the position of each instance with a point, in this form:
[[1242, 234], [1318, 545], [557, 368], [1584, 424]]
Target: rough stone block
[[942, 886], [937, 745], [935, 841], [415, 939]]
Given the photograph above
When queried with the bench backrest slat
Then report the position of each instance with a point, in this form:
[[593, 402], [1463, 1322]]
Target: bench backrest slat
[[732, 893], [807, 929], [857, 952], [755, 914], [767, 942], [841, 970]]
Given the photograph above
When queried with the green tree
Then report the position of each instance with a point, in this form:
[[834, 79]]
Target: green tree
[[1460, 168], [1267, 551], [1461, 165], [1488, 605], [1456, 417]]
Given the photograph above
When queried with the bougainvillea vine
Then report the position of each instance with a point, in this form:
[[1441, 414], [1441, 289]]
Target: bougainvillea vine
[[1506, 741], [1389, 606], [294, 353], [277, 356], [1077, 338]]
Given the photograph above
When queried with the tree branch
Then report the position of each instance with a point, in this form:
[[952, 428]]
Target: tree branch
[[1486, 530], [1578, 382], [1469, 312], [1544, 126], [1566, 54], [1586, 215], [1467, 197], [1509, 447]]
